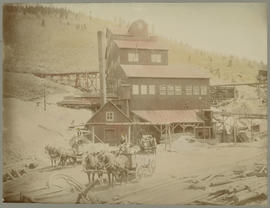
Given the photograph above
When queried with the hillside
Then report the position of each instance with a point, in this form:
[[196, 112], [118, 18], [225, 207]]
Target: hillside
[[63, 42], [49, 43]]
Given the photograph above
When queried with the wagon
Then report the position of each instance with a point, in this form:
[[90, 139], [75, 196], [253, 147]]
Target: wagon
[[143, 162]]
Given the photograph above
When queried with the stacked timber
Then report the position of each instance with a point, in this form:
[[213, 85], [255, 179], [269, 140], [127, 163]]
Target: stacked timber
[[237, 187]]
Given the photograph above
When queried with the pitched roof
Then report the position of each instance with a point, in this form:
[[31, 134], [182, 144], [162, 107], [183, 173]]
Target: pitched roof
[[169, 116], [108, 103], [140, 44], [163, 71]]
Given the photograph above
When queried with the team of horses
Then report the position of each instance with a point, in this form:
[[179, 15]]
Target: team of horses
[[60, 156], [112, 163]]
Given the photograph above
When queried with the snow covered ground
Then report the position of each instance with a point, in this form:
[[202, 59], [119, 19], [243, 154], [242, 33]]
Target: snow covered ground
[[28, 128]]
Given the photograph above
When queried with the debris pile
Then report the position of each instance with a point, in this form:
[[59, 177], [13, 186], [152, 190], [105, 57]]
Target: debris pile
[[241, 186]]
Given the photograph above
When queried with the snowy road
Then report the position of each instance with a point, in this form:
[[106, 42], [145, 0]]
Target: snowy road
[[167, 185]]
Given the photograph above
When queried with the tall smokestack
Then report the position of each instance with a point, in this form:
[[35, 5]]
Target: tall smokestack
[[101, 69]]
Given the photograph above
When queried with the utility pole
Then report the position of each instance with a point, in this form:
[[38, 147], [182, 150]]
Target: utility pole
[[44, 94]]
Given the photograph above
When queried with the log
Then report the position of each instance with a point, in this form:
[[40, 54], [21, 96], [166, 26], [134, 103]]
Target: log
[[238, 189], [221, 182], [196, 187], [263, 169], [246, 196], [205, 202]]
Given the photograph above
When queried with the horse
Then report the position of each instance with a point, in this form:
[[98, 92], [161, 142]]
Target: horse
[[53, 153], [66, 157], [115, 165], [91, 162]]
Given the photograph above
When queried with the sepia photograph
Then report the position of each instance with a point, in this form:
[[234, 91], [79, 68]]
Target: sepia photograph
[[135, 103]]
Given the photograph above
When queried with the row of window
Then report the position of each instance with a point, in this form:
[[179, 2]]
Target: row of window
[[169, 90], [134, 57]]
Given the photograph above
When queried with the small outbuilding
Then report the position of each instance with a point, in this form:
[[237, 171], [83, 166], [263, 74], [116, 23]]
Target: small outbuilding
[[104, 124]]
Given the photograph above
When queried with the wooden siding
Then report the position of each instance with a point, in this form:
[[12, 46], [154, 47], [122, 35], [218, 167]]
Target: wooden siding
[[169, 102], [100, 130], [144, 56]]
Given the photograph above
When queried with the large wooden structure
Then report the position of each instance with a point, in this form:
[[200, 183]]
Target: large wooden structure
[[151, 97]]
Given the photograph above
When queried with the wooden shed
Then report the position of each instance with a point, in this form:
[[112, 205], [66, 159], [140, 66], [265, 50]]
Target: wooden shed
[[109, 133]]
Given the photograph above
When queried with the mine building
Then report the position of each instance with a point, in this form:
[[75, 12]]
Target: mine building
[[151, 95]]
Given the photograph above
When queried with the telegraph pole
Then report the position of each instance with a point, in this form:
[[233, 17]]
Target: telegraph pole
[[44, 94]]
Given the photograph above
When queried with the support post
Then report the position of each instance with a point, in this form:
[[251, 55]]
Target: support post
[[161, 132], [166, 133], [77, 80], [170, 138], [127, 103], [204, 132], [129, 129], [86, 81], [93, 134]]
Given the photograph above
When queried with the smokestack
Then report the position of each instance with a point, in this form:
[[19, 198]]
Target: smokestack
[[101, 69]]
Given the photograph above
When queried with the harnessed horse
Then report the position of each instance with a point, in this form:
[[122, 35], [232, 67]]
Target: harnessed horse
[[115, 166], [90, 165]]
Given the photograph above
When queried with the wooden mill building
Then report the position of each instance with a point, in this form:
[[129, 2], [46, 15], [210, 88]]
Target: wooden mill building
[[151, 95]]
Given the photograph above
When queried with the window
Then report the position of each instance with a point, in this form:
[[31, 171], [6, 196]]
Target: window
[[156, 58], [170, 90], [135, 89], [109, 116], [143, 89], [178, 90], [133, 57], [196, 90], [203, 90], [189, 90], [152, 89], [162, 90]]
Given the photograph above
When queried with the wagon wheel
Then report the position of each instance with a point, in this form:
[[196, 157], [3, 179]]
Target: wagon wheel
[[139, 172]]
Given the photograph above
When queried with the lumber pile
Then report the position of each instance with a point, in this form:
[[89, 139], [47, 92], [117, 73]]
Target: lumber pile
[[14, 173], [240, 186]]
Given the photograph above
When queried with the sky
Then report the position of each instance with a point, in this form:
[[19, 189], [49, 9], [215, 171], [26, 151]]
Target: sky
[[227, 28]]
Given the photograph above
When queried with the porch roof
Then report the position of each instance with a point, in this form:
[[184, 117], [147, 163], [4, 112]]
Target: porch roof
[[169, 116]]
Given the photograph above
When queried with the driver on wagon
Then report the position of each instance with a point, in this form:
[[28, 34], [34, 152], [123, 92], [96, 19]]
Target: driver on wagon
[[123, 144]]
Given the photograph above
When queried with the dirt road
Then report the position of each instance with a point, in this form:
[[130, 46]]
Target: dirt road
[[168, 184]]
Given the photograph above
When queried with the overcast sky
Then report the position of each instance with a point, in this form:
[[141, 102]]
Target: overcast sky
[[228, 28]]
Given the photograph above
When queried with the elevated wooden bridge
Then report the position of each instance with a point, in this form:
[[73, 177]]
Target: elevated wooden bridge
[[88, 81], [242, 115]]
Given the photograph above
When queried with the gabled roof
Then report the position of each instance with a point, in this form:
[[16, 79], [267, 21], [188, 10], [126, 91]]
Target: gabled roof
[[140, 44], [169, 116], [108, 103], [163, 71]]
